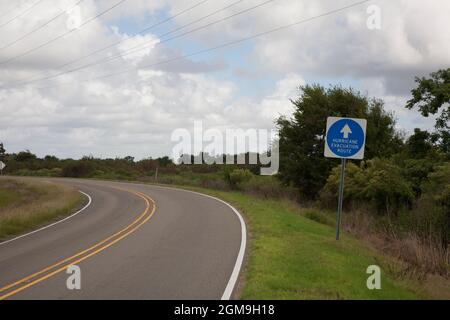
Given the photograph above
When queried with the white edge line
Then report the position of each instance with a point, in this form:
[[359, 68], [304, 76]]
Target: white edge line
[[53, 224], [240, 258]]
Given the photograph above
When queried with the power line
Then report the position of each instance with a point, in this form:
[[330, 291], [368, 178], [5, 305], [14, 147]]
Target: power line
[[133, 49], [170, 18], [24, 81], [11, 9], [200, 19], [151, 27], [21, 13], [141, 47], [224, 45], [41, 26], [64, 34], [140, 32]]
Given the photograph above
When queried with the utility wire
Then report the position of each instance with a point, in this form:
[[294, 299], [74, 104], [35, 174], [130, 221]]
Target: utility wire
[[201, 18], [141, 47], [140, 32], [11, 10], [63, 12], [64, 34], [224, 45], [133, 49], [24, 81], [21, 13]]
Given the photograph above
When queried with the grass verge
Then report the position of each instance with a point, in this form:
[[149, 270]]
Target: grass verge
[[26, 205], [291, 256]]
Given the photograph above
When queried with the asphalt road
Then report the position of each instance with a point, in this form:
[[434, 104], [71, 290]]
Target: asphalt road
[[132, 242]]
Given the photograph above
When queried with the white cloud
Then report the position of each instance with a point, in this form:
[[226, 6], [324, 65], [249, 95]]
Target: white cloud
[[135, 48], [277, 104], [413, 40], [135, 112]]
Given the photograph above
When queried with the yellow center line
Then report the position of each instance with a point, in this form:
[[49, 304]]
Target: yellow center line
[[133, 229], [82, 252], [78, 254]]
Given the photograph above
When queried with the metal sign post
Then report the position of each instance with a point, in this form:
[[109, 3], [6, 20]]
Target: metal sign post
[[341, 197], [2, 166], [345, 139]]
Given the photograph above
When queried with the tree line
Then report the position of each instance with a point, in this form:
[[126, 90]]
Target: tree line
[[399, 176], [407, 177]]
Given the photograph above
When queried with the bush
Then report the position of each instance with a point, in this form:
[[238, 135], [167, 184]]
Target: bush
[[55, 172], [416, 172], [438, 186], [319, 216], [380, 183], [226, 173], [77, 169], [435, 202], [301, 137], [329, 193], [239, 176], [268, 187], [234, 176], [385, 186]]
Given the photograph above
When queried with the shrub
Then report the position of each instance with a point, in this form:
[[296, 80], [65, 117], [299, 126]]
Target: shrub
[[380, 183], [77, 169], [226, 173], [240, 176], [237, 177], [301, 137], [55, 172], [416, 172], [438, 186], [319, 216], [384, 185], [435, 202], [269, 187], [329, 194]]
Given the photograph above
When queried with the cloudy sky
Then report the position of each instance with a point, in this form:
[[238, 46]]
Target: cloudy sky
[[87, 77]]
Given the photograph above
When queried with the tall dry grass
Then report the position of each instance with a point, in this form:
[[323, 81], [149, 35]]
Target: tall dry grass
[[422, 255], [34, 203]]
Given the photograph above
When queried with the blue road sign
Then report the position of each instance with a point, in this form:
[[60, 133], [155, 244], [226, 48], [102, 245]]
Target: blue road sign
[[345, 138]]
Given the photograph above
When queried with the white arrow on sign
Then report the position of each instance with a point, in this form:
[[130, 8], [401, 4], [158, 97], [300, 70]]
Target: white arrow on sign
[[346, 131]]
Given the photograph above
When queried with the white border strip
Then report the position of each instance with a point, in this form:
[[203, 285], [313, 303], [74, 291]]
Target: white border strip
[[53, 224], [240, 258]]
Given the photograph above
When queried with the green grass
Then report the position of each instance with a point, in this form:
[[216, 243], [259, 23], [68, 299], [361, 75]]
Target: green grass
[[292, 254], [26, 204], [8, 197], [293, 257]]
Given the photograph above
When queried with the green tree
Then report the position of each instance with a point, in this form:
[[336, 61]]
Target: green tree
[[51, 158], [435, 202], [416, 171], [2, 151], [383, 140], [302, 163], [353, 184], [25, 156], [239, 176], [432, 96], [419, 145], [129, 159], [164, 161], [379, 182]]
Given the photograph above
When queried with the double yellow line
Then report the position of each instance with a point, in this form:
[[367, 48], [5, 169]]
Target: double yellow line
[[31, 280]]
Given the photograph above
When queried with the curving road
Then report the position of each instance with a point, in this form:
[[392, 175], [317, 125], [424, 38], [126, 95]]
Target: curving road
[[131, 242]]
